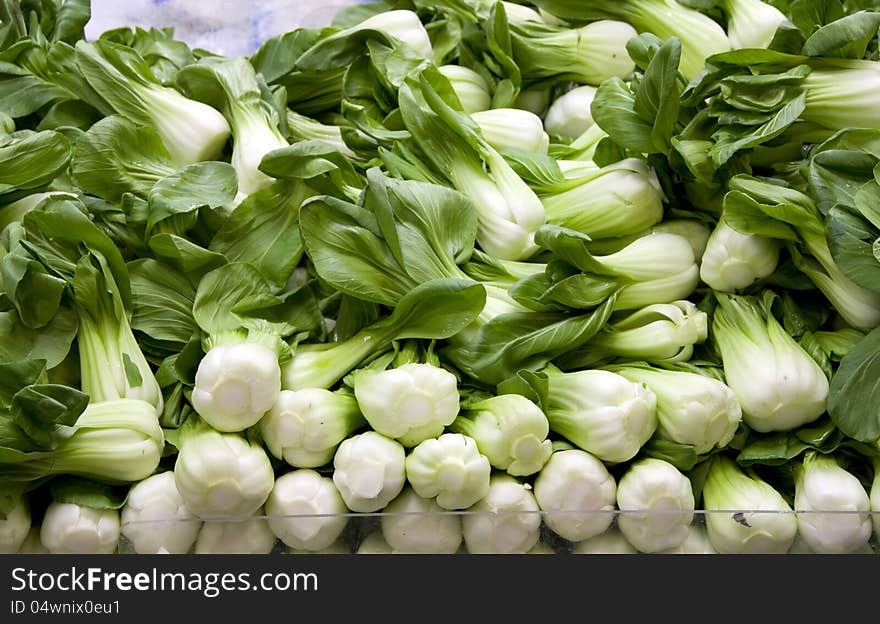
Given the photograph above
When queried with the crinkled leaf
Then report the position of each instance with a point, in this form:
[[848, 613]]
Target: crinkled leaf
[[724, 150], [60, 220], [16, 375], [318, 162], [236, 298], [34, 292], [47, 413]]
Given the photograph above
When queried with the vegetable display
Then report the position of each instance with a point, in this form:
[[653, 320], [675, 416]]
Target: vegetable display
[[468, 276]]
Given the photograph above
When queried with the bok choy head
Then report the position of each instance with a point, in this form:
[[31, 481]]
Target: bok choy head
[[509, 212], [231, 86], [246, 322], [190, 130], [778, 385]]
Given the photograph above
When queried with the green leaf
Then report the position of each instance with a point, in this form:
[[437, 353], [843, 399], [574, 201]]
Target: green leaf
[[353, 315], [342, 48], [50, 343], [554, 291], [308, 92], [745, 215], [530, 384], [841, 165], [263, 231], [850, 240], [437, 309], [642, 48], [132, 374], [613, 110], [781, 203], [530, 292], [725, 149], [788, 38], [349, 16], [657, 98], [821, 434], [117, 156], [430, 229], [771, 450], [65, 115], [35, 293], [808, 15], [349, 253], [63, 220], [228, 84], [71, 20], [570, 246], [186, 363], [189, 257], [87, 493], [682, 456], [529, 340], [800, 317], [277, 56], [235, 299], [16, 375], [119, 74], [867, 202], [541, 173], [855, 391], [311, 159], [29, 160], [443, 134], [204, 184], [847, 37], [175, 408], [23, 93], [47, 413]]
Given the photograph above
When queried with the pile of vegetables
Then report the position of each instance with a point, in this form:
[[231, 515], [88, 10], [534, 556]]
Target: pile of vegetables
[[502, 278]]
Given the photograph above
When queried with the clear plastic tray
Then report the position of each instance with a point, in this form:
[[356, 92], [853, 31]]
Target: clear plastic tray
[[706, 532], [237, 27]]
